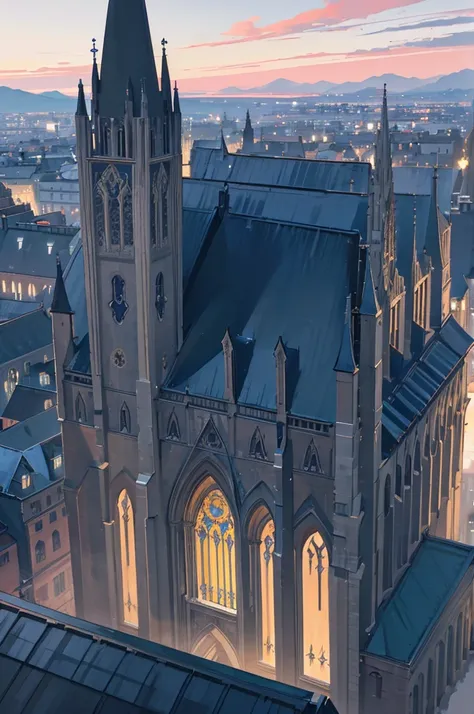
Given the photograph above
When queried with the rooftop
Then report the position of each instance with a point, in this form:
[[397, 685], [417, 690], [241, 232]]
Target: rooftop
[[53, 662], [406, 619]]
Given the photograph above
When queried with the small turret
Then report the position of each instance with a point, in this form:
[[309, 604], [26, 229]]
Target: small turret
[[81, 101]]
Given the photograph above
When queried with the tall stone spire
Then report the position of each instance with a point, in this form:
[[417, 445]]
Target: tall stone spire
[[165, 78], [248, 136], [81, 101], [128, 55]]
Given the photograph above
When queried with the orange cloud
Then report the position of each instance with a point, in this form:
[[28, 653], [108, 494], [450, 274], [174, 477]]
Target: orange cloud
[[333, 12]]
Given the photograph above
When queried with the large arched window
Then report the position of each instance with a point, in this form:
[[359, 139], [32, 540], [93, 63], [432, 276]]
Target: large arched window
[[56, 538], [215, 552], [40, 551], [267, 599], [316, 653], [128, 560]]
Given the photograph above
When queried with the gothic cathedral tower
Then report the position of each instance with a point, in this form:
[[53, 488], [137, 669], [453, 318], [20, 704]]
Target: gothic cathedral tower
[[129, 156]]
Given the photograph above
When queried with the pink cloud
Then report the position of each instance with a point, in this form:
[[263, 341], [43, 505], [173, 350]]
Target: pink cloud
[[333, 12]]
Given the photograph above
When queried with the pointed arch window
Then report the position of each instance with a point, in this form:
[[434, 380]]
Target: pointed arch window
[[267, 597], [257, 448], [316, 653], [160, 207], [215, 552], [81, 412], [125, 419], [173, 433], [128, 560], [56, 538], [160, 299], [40, 551], [113, 210], [118, 304], [312, 462]]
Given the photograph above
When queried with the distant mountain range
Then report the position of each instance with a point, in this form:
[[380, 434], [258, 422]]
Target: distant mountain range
[[16, 101], [463, 80]]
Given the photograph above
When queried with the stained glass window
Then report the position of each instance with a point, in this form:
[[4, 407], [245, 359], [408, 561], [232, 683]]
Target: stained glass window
[[125, 420], [267, 606], [316, 609], [128, 560], [215, 552]]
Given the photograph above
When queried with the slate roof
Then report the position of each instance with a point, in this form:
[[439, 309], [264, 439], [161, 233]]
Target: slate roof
[[9, 309], [196, 224], [442, 355], [418, 180], [24, 335], [26, 402], [34, 258], [242, 284], [283, 172], [10, 460], [75, 288], [462, 251], [15, 173], [34, 431], [53, 662], [405, 621], [343, 211], [127, 56], [81, 361]]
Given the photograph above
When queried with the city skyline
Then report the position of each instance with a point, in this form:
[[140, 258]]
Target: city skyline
[[335, 40]]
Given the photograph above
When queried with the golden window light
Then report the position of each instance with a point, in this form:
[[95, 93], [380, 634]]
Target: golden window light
[[267, 599], [316, 654], [128, 560]]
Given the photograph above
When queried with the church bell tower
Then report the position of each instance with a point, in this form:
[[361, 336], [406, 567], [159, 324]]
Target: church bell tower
[[130, 172]]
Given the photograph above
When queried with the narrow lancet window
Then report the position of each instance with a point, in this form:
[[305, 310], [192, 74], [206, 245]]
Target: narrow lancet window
[[128, 560], [267, 600], [316, 609]]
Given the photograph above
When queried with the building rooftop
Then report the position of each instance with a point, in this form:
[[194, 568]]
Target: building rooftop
[[10, 309], [24, 335], [406, 619], [32, 251], [34, 431], [418, 180], [344, 176], [240, 285], [55, 663], [26, 402]]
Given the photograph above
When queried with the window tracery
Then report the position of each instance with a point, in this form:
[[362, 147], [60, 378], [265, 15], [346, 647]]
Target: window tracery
[[118, 304], [159, 232], [81, 412], [257, 448], [215, 552], [267, 599], [316, 652], [113, 210], [173, 433], [312, 462], [128, 560]]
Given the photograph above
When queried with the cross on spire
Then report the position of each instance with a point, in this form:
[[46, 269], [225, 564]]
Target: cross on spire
[[94, 49], [163, 44]]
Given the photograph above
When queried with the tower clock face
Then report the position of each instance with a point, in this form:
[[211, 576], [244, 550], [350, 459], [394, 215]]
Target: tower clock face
[[118, 358]]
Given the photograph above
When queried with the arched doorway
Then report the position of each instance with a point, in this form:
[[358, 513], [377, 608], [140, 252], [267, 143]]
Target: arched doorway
[[215, 646]]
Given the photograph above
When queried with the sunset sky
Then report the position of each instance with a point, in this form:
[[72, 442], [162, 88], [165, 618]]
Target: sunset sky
[[214, 44]]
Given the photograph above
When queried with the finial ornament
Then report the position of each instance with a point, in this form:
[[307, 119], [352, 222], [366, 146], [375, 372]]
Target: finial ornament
[[94, 49], [163, 44]]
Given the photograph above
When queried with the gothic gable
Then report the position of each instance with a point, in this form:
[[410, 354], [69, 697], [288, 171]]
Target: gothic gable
[[257, 447], [210, 438]]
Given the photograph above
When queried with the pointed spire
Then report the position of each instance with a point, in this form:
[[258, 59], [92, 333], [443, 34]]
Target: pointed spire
[[223, 145], [369, 304], [60, 303], [95, 79], [248, 123], [165, 77], [345, 361], [176, 104], [248, 135], [128, 54], [144, 100], [81, 101], [432, 243]]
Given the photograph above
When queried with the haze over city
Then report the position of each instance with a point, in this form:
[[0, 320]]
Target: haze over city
[[247, 44]]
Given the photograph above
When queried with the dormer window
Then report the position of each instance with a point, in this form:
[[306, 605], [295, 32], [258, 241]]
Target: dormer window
[[25, 481], [44, 379], [19, 240]]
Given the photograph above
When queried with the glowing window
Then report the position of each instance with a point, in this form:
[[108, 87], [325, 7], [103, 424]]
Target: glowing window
[[128, 560], [267, 600], [25, 481], [316, 609], [215, 552]]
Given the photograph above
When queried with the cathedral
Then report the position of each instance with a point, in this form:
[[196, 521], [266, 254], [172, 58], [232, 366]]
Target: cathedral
[[263, 422]]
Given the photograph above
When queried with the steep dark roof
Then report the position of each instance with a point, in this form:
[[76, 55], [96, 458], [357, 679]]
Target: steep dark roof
[[462, 251], [418, 180], [442, 355], [341, 176], [9, 309], [261, 280], [37, 256], [406, 207], [75, 289], [34, 431], [408, 617], [128, 55], [60, 303], [81, 361], [26, 402], [24, 335], [54, 662]]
